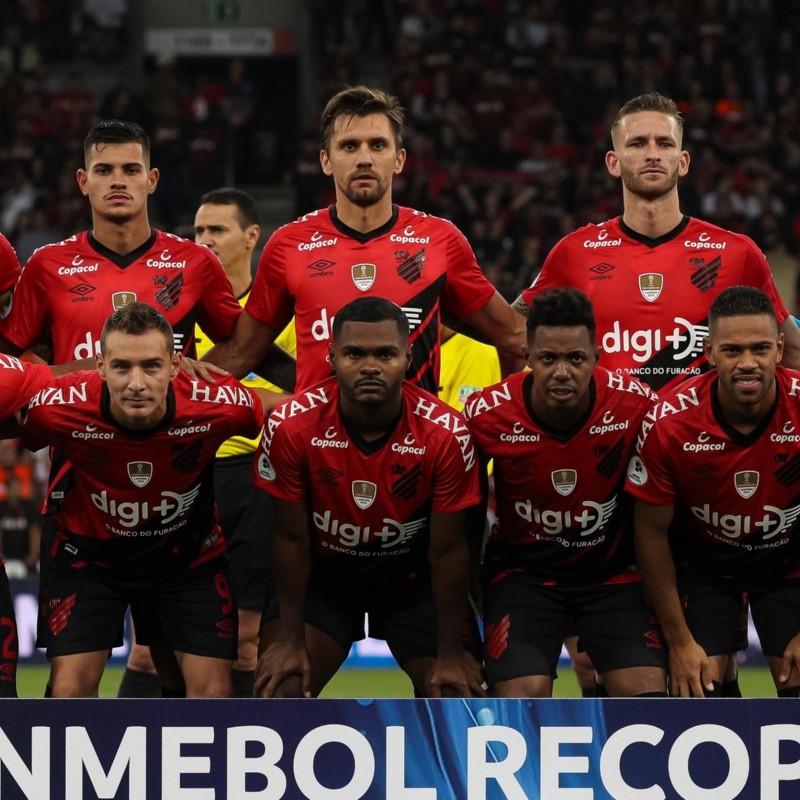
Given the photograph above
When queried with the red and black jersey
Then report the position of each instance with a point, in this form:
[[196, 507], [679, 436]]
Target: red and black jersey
[[19, 381], [315, 265], [140, 499], [736, 496], [68, 290], [9, 265], [652, 296], [370, 502], [561, 511]]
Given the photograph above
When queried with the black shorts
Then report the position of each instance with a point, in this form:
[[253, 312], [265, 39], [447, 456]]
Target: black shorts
[[84, 611], [401, 612], [716, 614], [525, 624], [246, 518]]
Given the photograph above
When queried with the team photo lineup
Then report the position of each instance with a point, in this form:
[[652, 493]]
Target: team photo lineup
[[363, 436]]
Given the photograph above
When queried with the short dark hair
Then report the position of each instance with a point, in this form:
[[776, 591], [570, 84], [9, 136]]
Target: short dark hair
[[247, 208], [116, 131], [360, 101], [136, 319], [563, 307], [741, 301], [652, 101], [370, 309]]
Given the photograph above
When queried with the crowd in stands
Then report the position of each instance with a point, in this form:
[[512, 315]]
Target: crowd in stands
[[509, 104]]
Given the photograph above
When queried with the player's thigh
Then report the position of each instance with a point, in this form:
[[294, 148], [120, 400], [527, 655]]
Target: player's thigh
[[776, 617], [77, 675], [713, 612], [192, 611], [246, 517], [524, 627], [205, 676], [620, 631]]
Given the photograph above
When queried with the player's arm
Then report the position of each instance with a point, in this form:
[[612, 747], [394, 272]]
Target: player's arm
[[449, 557], [688, 663], [249, 350], [791, 343], [285, 654], [496, 323]]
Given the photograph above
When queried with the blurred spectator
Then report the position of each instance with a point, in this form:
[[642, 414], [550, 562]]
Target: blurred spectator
[[11, 465], [20, 530]]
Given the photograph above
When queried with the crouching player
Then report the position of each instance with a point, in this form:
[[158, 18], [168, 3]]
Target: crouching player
[[138, 528]]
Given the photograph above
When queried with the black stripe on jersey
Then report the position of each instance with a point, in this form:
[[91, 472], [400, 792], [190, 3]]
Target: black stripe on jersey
[[611, 462], [169, 294], [789, 472], [648, 241], [187, 456], [406, 486], [705, 277], [425, 338], [360, 237]]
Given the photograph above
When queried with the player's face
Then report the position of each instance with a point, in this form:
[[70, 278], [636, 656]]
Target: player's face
[[370, 360], [117, 180], [745, 350], [362, 158], [137, 371], [647, 154], [562, 359], [218, 227]]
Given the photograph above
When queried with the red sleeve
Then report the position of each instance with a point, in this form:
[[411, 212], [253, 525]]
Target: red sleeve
[[19, 381], [455, 484], [270, 301], [279, 466], [9, 265], [466, 289], [650, 476], [219, 309], [551, 274], [27, 313]]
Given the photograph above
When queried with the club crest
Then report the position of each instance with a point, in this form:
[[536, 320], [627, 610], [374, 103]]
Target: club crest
[[564, 480], [140, 472], [650, 285], [746, 483], [364, 493], [363, 275], [122, 299]]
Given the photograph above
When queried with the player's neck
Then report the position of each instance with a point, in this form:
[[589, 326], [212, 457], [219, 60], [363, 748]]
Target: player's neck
[[122, 238], [364, 218], [372, 421], [240, 278], [745, 418], [652, 218]]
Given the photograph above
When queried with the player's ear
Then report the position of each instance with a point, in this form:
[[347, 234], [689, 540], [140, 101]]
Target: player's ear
[[325, 162], [683, 164], [409, 351], [612, 163], [152, 180], [252, 232], [400, 160], [329, 357], [709, 353], [81, 175], [100, 364], [780, 348], [597, 352]]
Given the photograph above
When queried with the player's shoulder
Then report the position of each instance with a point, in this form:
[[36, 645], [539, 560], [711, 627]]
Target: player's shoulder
[[169, 249], [495, 399], [594, 236], [71, 389], [700, 234], [305, 407], [618, 387], [71, 256], [421, 220], [685, 399], [225, 391], [309, 231]]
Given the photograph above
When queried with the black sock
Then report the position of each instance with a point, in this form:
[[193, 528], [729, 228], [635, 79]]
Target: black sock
[[715, 692], [793, 692], [588, 691], [243, 680], [48, 690], [731, 688], [652, 694], [166, 691], [600, 690], [139, 684]]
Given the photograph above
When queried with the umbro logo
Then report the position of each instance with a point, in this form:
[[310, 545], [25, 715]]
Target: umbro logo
[[82, 289], [601, 269], [329, 476], [321, 267]]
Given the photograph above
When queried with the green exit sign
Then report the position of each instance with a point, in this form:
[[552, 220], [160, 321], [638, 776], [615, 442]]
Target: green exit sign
[[222, 10]]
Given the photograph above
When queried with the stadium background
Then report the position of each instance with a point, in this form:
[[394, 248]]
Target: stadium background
[[509, 105]]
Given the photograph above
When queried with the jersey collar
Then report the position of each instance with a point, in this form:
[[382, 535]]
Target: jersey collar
[[363, 238], [559, 435], [650, 242], [735, 435], [118, 259]]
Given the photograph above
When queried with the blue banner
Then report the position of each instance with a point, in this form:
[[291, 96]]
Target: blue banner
[[400, 749]]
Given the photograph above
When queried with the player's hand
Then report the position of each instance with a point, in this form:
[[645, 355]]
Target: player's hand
[[204, 370], [789, 674], [280, 662], [459, 675], [689, 670]]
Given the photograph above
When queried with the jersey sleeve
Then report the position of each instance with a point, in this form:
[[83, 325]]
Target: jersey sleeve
[[270, 301], [455, 484], [280, 466], [650, 476], [19, 381], [466, 289], [218, 309], [551, 274], [9, 265], [26, 315]]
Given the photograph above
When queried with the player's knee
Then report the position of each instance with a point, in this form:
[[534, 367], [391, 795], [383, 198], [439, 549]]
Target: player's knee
[[211, 686], [74, 685], [139, 659], [247, 654]]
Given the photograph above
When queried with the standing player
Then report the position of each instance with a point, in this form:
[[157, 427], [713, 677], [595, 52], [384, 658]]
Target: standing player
[[467, 365], [138, 527], [68, 289], [561, 549], [227, 221], [718, 461], [365, 245], [371, 478], [653, 273]]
